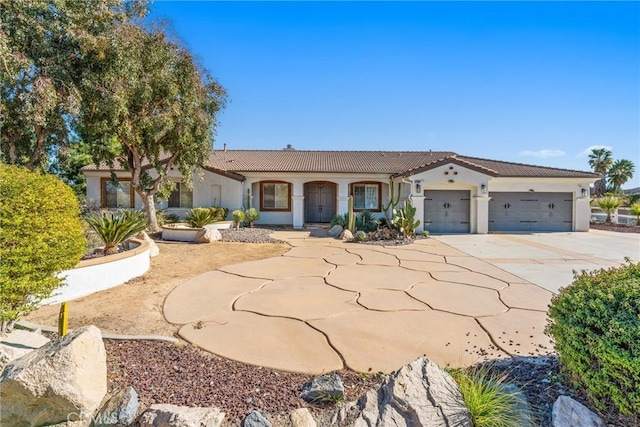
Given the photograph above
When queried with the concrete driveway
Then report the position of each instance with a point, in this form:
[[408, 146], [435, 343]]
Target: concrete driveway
[[326, 304], [549, 259]]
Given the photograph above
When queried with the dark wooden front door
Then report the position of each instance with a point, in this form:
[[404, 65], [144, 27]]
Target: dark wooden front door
[[320, 201]]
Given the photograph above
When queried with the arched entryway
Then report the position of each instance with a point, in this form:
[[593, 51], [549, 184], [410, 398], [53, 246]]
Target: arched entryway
[[319, 201]]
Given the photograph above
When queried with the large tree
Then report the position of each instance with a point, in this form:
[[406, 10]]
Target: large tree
[[149, 108], [44, 45], [600, 161], [619, 173]]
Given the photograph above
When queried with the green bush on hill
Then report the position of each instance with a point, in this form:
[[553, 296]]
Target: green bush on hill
[[595, 323], [40, 235]]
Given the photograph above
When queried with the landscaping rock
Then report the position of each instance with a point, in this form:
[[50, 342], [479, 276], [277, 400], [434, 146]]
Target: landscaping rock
[[336, 231], [301, 417], [207, 235], [120, 409], [255, 419], [346, 235], [522, 406], [154, 249], [419, 394], [18, 343], [64, 378], [325, 388], [165, 415], [569, 413]]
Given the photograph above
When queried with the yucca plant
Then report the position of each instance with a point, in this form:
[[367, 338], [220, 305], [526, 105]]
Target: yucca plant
[[238, 217], [608, 205], [635, 211], [490, 401], [251, 216], [115, 229], [199, 217]]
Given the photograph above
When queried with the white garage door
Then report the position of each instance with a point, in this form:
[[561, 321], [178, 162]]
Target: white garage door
[[531, 211], [447, 211]]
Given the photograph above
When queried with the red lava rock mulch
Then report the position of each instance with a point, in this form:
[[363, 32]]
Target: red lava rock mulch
[[163, 372], [618, 228]]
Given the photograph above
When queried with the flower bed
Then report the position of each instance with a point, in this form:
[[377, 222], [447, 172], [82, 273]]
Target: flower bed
[[97, 274], [181, 231]]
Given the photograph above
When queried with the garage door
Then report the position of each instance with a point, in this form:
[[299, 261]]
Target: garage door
[[530, 211], [447, 211]]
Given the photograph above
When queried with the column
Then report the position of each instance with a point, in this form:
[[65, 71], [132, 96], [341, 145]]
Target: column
[[482, 214], [417, 201], [582, 214]]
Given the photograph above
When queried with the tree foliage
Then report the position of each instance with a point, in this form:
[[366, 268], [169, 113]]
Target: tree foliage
[[148, 106], [45, 50], [614, 173], [40, 235], [619, 173], [600, 160]]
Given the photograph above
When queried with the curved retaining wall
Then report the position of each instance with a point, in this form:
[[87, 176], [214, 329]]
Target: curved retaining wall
[[97, 274]]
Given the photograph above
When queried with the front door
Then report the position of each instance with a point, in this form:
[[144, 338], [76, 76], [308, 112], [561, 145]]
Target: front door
[[447, 211], [320, 201]]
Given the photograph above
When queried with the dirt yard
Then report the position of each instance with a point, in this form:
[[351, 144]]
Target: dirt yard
[[135, 308]]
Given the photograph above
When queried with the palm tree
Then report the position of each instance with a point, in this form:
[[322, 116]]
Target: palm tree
[[619, 173], [600, 161], [608, 205]]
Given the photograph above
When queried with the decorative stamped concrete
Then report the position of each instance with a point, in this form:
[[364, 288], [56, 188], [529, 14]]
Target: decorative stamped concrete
[[327, 304]]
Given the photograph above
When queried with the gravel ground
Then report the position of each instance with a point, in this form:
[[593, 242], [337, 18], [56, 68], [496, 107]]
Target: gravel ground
[[163, 372], [248, 235], [618, 228]]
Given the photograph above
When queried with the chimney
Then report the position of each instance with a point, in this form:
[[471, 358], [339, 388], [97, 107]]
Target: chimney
[[224, 147], [289, 147]]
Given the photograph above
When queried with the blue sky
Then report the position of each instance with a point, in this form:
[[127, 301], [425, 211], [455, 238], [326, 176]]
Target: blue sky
[[537, 82]]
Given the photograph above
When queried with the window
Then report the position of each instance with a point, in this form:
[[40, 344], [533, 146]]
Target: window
[[118, 195], [181, 196], [366, 196], [275, 196]]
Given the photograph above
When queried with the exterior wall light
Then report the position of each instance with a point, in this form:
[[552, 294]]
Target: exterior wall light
[[418, 187], [483, 189], [584, 192]]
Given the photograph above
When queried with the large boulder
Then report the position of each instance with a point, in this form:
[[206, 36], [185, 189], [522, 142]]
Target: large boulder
[[18, 343], [567, 412], [63, 380], [419, 394], [119, 410], [336, 231], [301, 417], [164, 415], [346, 235], [207, 235], [322, 389]]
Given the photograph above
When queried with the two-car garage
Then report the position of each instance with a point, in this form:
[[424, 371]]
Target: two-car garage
[[449, 211]]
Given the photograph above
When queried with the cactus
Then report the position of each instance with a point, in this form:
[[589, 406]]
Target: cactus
[[63, 320], [351, 225], [392, 203], [404, 220], [248, 198], [360, 236]]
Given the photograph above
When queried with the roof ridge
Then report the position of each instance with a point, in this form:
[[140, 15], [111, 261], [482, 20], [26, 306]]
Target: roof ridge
[[530, 165]]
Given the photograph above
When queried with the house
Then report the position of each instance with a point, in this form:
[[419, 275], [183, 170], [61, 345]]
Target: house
[[451, 193]]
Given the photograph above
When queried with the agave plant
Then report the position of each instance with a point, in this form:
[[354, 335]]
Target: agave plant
[[199, 217], [608, 205], [115, 229], [238, 217]]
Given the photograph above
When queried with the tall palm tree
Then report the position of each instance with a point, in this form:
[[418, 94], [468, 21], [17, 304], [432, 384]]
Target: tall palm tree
[[600, 161], [619, 173]]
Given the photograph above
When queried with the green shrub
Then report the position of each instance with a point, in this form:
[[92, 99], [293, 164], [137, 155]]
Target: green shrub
[[113, 229], [199, 217], [635, 211], [608, 205], [340, 220], [219, 213], [595, 323], [40, 235], [238, 217], [490, 402], [366, 222], [251, 216]]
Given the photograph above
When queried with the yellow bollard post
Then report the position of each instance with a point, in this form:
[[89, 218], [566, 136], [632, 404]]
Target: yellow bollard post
[[63, 320]]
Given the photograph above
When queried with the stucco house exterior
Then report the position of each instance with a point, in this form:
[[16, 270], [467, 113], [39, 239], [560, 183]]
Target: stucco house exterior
[[452, 193]]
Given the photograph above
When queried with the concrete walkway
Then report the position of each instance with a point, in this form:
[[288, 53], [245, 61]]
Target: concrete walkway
[[326, 304]]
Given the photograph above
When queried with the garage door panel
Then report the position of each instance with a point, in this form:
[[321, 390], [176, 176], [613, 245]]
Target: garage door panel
[[530, 211], [447, 211]]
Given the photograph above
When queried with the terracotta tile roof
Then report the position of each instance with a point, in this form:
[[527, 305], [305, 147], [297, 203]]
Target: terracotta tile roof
[[234, 163]]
